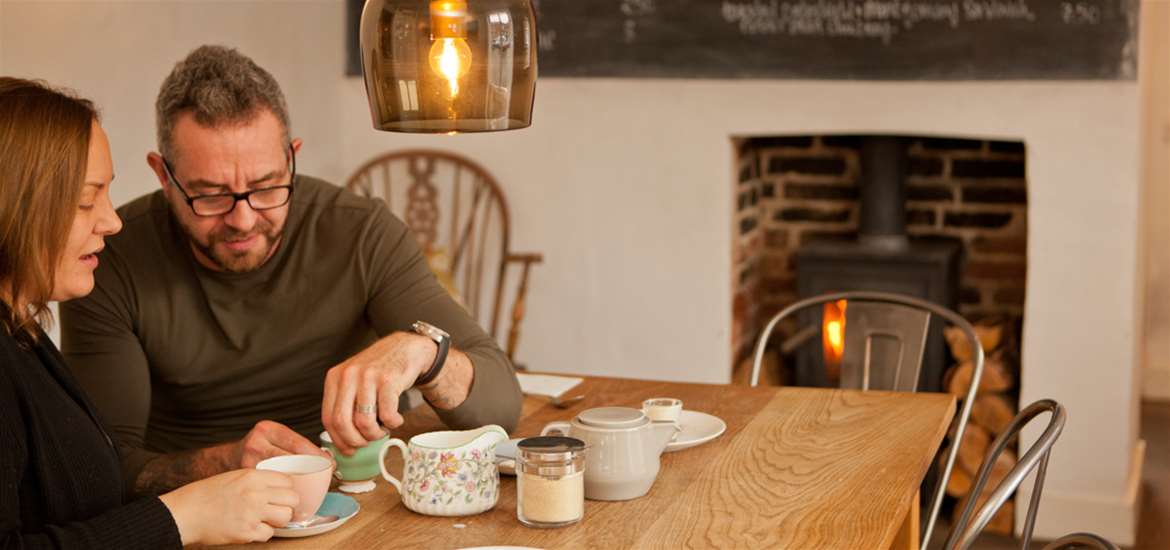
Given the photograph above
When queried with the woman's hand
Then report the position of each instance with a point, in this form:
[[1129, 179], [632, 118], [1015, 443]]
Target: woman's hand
[[233, 507]]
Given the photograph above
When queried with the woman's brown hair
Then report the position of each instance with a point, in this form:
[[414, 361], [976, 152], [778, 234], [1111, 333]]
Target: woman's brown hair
[[44, 149]]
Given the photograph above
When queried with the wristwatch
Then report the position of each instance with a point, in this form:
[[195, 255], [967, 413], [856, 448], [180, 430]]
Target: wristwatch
[[443, 340]]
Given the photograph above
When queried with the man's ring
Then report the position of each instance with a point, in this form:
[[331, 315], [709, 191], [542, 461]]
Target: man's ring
[[364, 409]]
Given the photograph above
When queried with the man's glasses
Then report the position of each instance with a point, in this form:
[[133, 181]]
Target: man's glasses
[[220, 204]]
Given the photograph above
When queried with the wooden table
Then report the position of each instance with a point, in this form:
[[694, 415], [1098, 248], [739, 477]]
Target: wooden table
[[797, 468]]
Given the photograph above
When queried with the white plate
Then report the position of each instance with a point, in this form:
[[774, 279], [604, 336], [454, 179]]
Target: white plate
[[546, 384], [343, 506], [697, 429]]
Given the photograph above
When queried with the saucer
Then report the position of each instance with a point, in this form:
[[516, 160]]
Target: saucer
[[355, 487], [697, 429], [506, 456], [336, 504]]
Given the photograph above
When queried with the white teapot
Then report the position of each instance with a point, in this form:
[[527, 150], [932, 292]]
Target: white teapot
[[621, 461]]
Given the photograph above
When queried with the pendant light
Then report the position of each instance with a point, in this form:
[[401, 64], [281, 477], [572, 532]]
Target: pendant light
[[448, 66]]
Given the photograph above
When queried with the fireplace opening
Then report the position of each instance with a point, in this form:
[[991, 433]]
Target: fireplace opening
[[944, 219], [881, 258]]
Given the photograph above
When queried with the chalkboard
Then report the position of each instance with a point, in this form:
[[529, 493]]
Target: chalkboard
[[839, 39], [353, 25]]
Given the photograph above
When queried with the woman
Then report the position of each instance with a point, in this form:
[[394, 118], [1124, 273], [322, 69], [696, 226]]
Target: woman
[[60, 483]]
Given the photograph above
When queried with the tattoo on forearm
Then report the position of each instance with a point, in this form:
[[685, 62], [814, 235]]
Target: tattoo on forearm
[[171, 471], [443, 401], [454, 383]]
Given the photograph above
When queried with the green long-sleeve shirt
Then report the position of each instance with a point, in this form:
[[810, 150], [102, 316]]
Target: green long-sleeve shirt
[[177, 356]]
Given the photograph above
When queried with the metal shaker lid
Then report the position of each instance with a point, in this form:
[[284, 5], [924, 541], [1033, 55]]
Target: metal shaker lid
[[550, 448]]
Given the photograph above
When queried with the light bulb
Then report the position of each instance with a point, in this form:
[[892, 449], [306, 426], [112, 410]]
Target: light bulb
[[450, 58]]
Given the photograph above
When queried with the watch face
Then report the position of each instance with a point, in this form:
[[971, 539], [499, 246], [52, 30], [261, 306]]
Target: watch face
[[431, 331]]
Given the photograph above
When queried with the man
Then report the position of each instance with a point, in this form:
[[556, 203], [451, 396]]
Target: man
[[245, 306]]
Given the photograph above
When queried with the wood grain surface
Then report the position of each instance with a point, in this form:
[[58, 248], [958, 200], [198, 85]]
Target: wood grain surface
[[797, 468]]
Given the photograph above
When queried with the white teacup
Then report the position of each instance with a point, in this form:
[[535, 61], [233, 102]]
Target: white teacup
[[310, 476], [662, 409]]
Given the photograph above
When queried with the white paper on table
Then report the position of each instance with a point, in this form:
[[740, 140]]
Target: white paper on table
[[546, 385]]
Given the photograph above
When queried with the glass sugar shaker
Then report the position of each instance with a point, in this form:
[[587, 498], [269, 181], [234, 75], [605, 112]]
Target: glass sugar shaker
[[550, 481]]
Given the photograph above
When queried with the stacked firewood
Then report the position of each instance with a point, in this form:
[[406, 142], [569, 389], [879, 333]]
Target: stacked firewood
[[991, 414]]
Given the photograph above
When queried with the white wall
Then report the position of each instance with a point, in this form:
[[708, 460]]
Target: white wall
[[626, 186], [118, 53], [1156, 137]]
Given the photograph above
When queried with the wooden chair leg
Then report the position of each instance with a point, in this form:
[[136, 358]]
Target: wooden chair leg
[[518, 312]]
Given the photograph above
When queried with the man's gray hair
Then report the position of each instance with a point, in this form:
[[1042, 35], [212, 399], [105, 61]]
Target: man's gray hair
[[217, 85]]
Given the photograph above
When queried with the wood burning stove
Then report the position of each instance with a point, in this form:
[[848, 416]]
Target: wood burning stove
[[882, 258]]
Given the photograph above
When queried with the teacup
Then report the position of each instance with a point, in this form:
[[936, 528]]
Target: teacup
[[310, 476], [662, 409], [358, 471], [448, 473]]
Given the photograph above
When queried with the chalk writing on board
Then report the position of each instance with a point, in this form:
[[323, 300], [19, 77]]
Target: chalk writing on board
[[875, 19], [633, 10], [637, 7], [839, 39], [1082, 13], [548, 39]]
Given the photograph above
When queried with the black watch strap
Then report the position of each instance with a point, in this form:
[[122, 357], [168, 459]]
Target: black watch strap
[[443, 341], [440, 359]]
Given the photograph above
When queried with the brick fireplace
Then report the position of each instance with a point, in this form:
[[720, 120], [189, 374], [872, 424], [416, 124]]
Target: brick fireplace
[[794, 193]]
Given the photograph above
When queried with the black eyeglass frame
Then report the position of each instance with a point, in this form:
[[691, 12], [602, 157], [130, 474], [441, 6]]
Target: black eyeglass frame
[[246, 196]]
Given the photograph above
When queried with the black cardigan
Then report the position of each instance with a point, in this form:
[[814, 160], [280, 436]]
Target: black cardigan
[[60, 479]]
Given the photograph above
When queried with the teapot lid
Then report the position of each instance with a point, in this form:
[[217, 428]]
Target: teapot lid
[[612, 417]]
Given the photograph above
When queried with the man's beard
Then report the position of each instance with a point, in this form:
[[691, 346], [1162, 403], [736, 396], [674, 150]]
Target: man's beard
[[239, 262]]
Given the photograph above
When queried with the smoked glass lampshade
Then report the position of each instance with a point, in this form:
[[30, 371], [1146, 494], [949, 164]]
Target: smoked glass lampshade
[[442, 66]]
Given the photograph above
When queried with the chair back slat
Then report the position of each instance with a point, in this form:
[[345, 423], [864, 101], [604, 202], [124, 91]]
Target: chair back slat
[[485, 223], [456, 204], [884, 345], [386, 184], [422, 206]]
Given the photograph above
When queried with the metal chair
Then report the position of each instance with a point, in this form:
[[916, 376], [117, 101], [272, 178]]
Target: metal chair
[[971, 523], [1075, 541], [899, 325], [458, 214]]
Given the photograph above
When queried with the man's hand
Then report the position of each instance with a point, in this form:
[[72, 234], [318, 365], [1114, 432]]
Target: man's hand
[[268, 439], [364, 390], [372, 380]]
